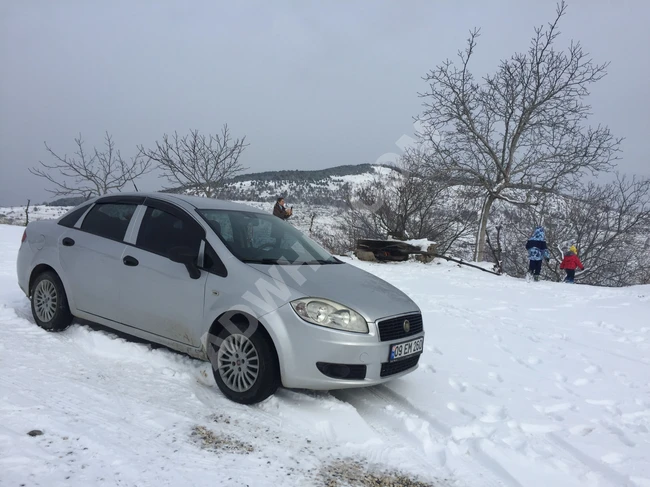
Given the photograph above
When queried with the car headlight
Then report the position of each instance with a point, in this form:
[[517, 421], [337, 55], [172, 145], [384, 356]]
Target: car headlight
[[327, 313]]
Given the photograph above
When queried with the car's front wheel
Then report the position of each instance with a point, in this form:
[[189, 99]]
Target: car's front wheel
[[50, 303], [244, 364]]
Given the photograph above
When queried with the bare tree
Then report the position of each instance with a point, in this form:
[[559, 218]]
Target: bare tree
[[93, 173], [518, 133], [496, 250], [27, 212], [608, 223], [198, 162], [407, 205]]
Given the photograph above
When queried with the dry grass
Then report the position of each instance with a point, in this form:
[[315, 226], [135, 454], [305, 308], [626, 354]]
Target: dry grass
[[354, 474], [209, 440]]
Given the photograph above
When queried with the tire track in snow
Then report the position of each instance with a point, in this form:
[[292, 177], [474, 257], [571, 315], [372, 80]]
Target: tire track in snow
[[609, 474], [375, 404]]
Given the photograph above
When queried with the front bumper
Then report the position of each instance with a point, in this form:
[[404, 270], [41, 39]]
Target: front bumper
[[300, 345]]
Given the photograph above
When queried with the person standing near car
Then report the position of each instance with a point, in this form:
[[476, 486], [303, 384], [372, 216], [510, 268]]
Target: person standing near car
[[280, 210]]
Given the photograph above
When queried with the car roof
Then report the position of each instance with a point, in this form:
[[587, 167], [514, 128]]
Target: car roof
[[194, 201]]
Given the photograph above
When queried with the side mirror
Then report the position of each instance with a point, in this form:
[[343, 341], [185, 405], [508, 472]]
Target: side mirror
[[187, 257]]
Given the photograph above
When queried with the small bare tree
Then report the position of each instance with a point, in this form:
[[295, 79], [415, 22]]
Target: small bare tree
[[198, 162], [27, 212], [518, 133], [93, 173], [407, 205], [496, 250], [608, 223]]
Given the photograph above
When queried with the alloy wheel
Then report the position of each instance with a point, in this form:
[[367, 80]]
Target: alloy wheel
[[45, 300], [238, 362]]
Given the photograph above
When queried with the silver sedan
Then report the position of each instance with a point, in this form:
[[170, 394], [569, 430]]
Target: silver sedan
[[221, 282]]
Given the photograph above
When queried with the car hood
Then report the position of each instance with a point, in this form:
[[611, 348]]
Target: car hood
[[346, 284]]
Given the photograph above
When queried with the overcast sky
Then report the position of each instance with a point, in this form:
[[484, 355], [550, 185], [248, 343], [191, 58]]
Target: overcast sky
[[311, 84]]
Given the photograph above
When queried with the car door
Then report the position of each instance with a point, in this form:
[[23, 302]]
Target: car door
[[161, 298], [91, 256]]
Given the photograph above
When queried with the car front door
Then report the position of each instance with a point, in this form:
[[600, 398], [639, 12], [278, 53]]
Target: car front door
[[159, 296], [91, 256]]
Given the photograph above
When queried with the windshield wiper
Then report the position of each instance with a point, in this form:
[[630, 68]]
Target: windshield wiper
[[321, 262], [264, 261]]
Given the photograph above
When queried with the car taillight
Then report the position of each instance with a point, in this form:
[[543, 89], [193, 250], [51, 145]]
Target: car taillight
[[24, 236]]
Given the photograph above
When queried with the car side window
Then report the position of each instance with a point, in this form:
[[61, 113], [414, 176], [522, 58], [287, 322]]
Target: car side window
[[161, 231], [109, 220]]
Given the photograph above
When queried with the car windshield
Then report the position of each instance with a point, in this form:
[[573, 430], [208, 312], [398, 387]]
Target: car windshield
[[264, 239]]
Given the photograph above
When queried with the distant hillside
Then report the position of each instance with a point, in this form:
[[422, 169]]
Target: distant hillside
[[68, 201], [311, 175], [316, 187]]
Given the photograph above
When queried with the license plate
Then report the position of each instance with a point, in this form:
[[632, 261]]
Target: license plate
[[405, 349]]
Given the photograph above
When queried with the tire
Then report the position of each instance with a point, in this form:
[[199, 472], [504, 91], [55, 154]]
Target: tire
[[50, 303], [230, 348]]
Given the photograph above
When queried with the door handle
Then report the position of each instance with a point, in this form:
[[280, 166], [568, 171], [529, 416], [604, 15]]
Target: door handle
[[68, 242], [130, 261]]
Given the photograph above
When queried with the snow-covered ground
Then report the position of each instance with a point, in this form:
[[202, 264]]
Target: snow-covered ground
[[15, 215], [520, 384]]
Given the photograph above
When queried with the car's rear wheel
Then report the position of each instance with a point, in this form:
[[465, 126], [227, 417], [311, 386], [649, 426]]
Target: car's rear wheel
[[244, 364], [50, 303]]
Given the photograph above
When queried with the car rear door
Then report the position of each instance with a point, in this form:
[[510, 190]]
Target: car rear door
[[91, 255], [158, 295]]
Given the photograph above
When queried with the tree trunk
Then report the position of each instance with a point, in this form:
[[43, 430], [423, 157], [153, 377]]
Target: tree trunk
[[479, 249]]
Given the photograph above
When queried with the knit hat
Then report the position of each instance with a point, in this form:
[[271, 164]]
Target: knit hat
[[538, 234], [573, 249]]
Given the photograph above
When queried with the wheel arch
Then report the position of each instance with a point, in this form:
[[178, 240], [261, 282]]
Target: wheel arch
[[42, 267], [239, 317], [37, 271]]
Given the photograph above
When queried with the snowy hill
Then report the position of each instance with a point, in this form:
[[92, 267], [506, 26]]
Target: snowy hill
[[315, 187], [520, 384]]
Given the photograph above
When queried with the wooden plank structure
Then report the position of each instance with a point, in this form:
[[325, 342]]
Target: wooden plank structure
[[388, 250], [396, 251]]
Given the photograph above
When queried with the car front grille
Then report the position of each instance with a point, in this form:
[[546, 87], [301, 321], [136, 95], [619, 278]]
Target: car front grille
[[392, 368], [393, 328]]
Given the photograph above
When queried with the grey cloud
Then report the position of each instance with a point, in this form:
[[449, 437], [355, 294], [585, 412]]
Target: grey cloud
[[310, 84]]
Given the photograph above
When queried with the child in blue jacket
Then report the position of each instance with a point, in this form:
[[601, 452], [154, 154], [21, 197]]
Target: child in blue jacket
[[537, 251]]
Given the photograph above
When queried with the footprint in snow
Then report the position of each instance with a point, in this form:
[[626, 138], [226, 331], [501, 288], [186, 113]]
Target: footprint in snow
[[485, 390], [428, 368], [452, 406], [520, 362], [593, 369], [581, 430], [495, 376], [613, 458], [601, 402], [556, 408], [494, 414], [457, 385]]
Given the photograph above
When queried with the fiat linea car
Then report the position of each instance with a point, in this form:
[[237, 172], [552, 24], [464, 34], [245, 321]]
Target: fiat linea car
[[222, 282]]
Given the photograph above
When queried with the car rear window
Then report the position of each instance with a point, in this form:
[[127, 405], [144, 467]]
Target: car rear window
[[72, 217]]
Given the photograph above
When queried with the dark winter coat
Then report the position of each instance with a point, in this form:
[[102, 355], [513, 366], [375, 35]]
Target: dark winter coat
[[571, 262], [536, 245], [280, 211]]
